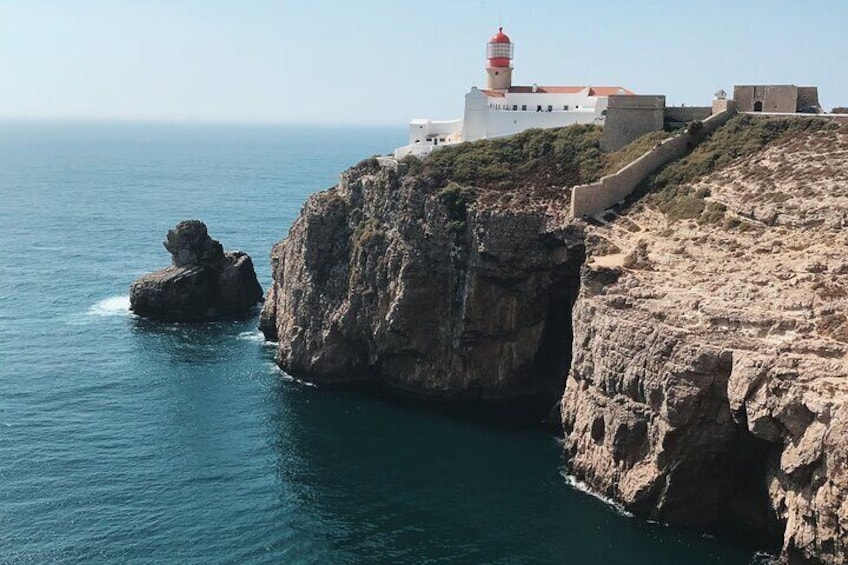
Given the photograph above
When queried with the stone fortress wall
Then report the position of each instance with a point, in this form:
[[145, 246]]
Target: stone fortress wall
[[776, 98], [684, 114], [630, 117], [590, 199]]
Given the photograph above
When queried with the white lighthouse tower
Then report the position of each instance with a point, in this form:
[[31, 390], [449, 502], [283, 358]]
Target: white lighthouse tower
[[499, 62]]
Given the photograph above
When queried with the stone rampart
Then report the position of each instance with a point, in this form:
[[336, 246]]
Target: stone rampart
[[589, 199], [630, 117], [681, 114]]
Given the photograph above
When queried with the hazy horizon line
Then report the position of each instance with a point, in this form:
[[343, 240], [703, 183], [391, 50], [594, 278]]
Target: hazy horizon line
[[193, 121]]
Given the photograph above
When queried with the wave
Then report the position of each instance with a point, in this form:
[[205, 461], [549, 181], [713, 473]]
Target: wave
[[580, 486], [763, 558], [112, 306], [255, 336], [288, 378]]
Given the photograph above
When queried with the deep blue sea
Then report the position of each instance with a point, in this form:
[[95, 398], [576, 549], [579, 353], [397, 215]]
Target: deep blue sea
[[123, 441]]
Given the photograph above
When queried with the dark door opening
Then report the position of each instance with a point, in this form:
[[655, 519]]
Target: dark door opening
[[758, 106]]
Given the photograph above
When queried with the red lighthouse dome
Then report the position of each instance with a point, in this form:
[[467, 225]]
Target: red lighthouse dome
[[500, 37], [499, 50]]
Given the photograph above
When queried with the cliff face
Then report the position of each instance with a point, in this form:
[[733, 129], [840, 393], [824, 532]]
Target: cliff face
[[697, 341], [709, 380], [435, 291]]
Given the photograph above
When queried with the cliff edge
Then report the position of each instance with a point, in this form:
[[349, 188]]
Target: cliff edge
[[709, 379]]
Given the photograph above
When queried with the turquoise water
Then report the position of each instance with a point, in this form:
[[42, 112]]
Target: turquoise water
[[123, 441]]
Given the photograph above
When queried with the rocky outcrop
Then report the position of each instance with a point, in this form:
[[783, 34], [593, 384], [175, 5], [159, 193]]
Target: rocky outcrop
[[700, 363], [710, 372], [203, 282], [433, 291]]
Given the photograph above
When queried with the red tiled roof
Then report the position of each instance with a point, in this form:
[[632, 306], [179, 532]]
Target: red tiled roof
[[547, 89], [608, 90], [593, 90]]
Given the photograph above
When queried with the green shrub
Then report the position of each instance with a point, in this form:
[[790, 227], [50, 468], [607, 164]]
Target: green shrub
[[713, 213], [683, 208], [695, 127], [541, 158], [413, 164], [456, 199]]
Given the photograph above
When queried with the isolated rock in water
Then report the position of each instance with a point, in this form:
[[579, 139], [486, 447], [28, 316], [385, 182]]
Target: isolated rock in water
[[190, 245], [204, 282]]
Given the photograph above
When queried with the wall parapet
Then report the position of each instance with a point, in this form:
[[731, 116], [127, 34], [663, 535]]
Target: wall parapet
[[590, 199]]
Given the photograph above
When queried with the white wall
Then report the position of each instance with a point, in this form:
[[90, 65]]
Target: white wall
[[421, 130], [499, 122], [475, 118], [532, 100]]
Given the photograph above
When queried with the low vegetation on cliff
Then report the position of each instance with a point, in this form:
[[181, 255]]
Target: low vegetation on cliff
[[538, 158], [535, 166], [671, 190]]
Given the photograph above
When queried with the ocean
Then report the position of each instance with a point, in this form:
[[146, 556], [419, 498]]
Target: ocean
[[126, 441]]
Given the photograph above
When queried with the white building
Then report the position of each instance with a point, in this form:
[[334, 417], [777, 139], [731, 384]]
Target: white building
[[503, 109]]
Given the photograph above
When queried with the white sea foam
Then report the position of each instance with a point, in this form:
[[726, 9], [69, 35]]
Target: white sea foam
[[112, 306], [580, 486], [287, 377], [763, 558], [254, 335]]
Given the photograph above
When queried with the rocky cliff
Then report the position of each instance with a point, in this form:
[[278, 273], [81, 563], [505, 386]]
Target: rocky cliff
[[697, 340], [430, 287], [709, 379]]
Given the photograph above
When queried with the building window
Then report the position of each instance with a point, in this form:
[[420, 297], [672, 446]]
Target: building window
[[524, 107], [550, 108], [565, 108], [514, 107], [539, 108]]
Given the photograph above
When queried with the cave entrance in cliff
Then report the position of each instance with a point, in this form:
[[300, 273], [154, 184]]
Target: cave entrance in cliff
[[552, 361], [748, 515]]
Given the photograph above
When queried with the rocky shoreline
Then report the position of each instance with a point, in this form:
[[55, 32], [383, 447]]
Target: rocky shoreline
[[699, 365]]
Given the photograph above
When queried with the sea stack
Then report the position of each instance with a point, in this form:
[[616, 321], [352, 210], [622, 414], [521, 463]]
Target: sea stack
[[203, 282]]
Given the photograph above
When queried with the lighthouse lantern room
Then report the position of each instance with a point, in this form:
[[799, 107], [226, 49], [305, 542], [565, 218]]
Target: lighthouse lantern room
[[499, 67]]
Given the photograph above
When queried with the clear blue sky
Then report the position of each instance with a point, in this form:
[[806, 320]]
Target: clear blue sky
[[384, 62]]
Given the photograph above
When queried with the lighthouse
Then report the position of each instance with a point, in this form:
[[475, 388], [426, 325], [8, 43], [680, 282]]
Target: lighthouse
[[499, 64], [503, 109]]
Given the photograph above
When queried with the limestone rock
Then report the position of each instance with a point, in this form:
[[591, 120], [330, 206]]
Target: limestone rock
[[375, 282], [711, 389], [702, 367], [203, 283]]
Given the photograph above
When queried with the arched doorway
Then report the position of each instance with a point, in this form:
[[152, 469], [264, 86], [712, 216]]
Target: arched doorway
[[758, 106]]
